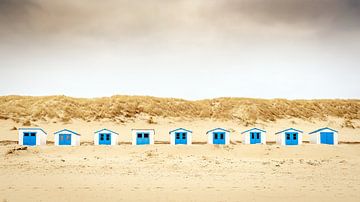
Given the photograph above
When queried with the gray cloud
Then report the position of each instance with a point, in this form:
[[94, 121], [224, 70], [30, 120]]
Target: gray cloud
[[238, 40], [151, 18], [337, 14]]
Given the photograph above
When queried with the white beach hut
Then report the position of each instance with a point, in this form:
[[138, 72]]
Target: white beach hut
[[254, 136], [105, 137], [67, 137], [290, 136], [324, 136], [32, 136], [142, 136], [180, 136], [218, 136]]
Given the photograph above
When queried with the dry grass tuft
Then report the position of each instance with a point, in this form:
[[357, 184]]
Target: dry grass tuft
[[151, 120], [13, 150], [27, 123]]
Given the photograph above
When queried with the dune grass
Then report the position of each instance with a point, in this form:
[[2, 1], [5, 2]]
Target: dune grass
[[27, 109]]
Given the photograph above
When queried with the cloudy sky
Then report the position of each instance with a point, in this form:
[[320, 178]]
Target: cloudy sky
[[190, 49]]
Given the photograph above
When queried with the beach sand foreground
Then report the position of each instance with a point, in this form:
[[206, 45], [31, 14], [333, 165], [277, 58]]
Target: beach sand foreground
[[181, 173], [162, 172]]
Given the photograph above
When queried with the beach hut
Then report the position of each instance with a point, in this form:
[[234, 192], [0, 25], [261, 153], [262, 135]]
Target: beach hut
[[254, 136], [218, 136], [290, 136], [67, 137], [180, 136], [324, 136], [105, 137], [142, 136], [32, 136]]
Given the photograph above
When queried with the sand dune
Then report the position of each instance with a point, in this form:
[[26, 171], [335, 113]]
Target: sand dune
[[122, 109]]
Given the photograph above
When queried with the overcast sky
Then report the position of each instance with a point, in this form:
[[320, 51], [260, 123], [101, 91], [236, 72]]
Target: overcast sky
[[190, 49]]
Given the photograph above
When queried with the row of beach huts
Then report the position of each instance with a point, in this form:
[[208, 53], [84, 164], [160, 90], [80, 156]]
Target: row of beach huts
[[180, 136]]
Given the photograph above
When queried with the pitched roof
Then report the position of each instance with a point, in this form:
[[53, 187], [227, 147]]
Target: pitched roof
[[107, 130], [318, 130], [33, 129], [217, 129], [66, 130], [142, 129], [253, 129], [180, 129], [289, 129]]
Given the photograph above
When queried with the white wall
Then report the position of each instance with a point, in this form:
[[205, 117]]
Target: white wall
[[280, 139], [211, 134], [246, 138], [56, 139], [75, 140], [300, 138], [188, 136], [135, 131], [314, 138], [40, 136], [336, 138], [263, 137]]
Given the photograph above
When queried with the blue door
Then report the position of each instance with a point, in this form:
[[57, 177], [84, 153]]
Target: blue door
[[218, 138], [291, 139], [181, 138], [104, 139], [64, 139], [255, 138], [142, 138], [327, 138], [29, 139]]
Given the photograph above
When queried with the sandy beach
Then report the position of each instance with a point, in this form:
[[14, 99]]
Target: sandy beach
[[181, 173], [162, 172]]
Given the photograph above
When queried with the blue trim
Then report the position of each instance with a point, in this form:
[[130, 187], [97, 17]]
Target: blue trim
[[106, 130], [143, 130], [180, 129], [318, 130], [33, 129], [253, 129], [217, 129], [66, 130], [288, 130]]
